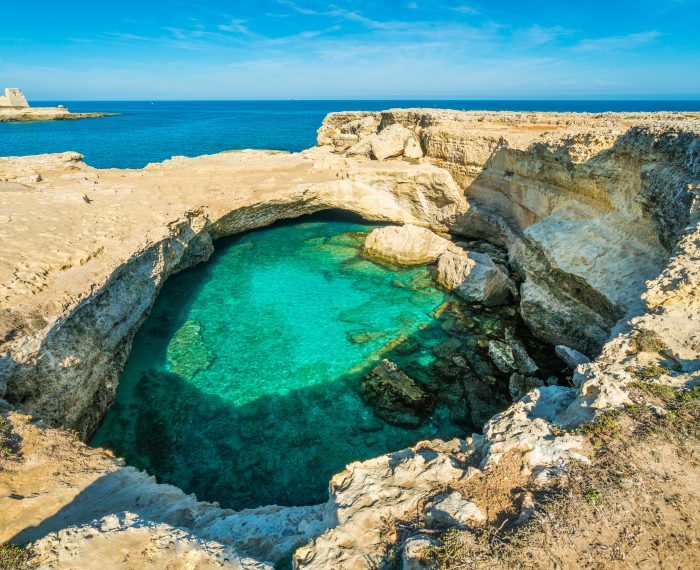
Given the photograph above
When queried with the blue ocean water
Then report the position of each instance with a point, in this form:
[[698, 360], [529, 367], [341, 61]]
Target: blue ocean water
[[242, 385], [154, 131]]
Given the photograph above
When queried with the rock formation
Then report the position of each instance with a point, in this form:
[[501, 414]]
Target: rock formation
[[13, 99], [599, 214], [15, 108], [405, 245]]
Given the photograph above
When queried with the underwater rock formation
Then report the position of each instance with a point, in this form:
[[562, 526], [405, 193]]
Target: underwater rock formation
[[395, 396]]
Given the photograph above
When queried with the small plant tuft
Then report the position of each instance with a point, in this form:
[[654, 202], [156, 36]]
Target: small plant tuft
[[593, 496], [603, 428], [12, 557], [648, 341], [650, 372]]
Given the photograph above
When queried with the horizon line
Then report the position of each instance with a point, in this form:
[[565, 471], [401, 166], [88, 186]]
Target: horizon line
[[292, 100]]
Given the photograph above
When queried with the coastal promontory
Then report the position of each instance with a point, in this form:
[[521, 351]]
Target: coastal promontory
[[14, 108]]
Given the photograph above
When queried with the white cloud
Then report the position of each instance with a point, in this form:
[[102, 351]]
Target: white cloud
[[617, 43]]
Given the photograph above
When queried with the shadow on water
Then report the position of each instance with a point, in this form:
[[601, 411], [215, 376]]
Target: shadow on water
[[284, 448]]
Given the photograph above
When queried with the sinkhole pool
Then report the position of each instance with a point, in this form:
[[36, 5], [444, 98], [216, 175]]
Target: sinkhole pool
[[243, 383]]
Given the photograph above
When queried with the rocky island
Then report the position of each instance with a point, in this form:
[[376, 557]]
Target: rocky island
[[14, 108], [598, 219]]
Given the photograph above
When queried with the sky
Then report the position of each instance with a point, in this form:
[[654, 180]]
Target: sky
[[340, 49]]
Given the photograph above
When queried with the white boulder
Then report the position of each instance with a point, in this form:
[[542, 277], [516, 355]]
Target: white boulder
[[405, 245], [390, 142], [412, 148], [571, 357], [416, 553]]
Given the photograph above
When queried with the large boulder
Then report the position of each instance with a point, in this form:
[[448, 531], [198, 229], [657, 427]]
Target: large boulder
[[361, 127], [405, 245], [395, 396], [412, 148], [390, 142], [474, 277]]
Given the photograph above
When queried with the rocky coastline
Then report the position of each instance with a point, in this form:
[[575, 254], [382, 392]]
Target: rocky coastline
[[46, 114], [598, 215]]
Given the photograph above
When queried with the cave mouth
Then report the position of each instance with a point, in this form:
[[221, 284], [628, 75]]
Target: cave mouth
[[245, 384]]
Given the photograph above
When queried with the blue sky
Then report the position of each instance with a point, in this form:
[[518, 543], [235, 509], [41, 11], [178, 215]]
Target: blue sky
[[278, 49]]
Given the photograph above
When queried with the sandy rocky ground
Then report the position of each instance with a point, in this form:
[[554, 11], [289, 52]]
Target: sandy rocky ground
[[599, 216]]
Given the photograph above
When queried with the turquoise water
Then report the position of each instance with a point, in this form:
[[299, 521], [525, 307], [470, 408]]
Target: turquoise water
[[152, 131], [242, 385]]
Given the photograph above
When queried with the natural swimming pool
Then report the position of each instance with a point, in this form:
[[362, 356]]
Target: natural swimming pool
[[245, 384]]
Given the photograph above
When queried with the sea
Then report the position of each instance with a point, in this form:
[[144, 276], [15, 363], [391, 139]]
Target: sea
[[153, 131]]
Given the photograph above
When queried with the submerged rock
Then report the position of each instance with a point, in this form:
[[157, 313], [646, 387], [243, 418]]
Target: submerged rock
[[405, 245], [474, 277], [187, 353], [395, 396], [365, 337]]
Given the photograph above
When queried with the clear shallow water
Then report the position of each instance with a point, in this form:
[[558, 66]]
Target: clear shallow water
[[154, 131], [242, 385]]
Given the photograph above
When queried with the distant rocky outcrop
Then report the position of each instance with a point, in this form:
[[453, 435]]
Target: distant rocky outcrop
[[14, 107]]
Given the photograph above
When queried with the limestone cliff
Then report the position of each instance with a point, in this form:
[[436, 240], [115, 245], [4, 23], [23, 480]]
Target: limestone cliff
[[589, 206], [600, 218]]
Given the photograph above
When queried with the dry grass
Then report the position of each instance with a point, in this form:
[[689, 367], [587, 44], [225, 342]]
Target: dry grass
[[635, 506], [12, 557]]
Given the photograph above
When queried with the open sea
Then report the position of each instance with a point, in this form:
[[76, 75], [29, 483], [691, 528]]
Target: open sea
[[152, 131]]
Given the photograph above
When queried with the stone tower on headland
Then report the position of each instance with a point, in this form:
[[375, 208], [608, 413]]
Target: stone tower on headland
[[13, 98]]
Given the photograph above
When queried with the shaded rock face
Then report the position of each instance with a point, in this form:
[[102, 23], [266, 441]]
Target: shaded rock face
[[475, 277]]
